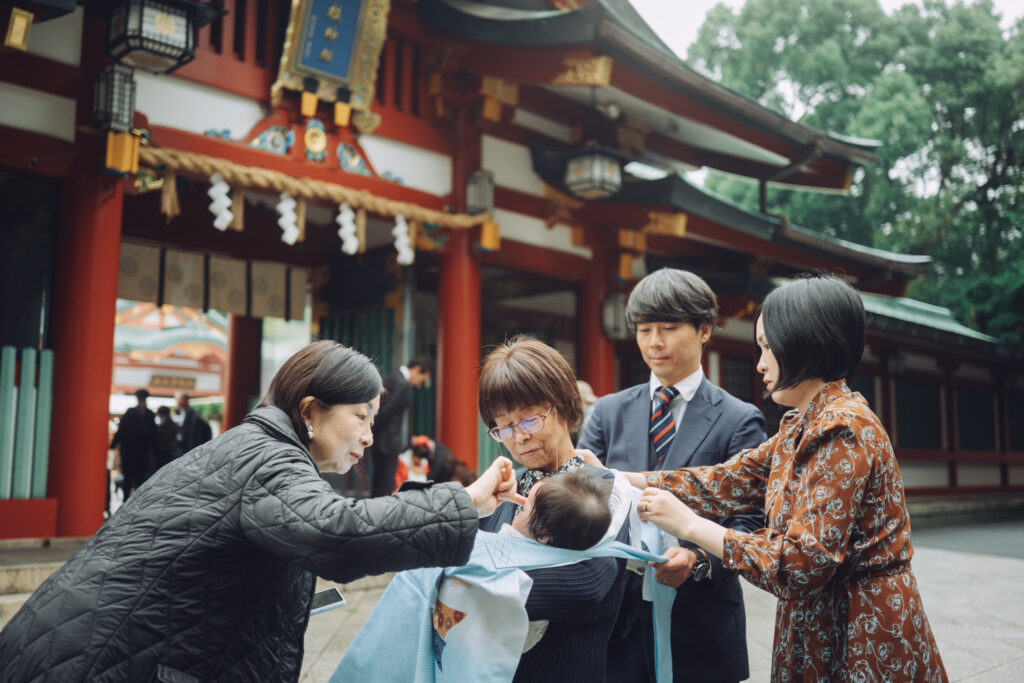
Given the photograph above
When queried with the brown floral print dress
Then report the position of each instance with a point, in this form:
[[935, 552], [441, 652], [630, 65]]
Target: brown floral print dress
[[836, 550]]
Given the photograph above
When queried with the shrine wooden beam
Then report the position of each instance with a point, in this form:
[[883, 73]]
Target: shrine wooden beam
[[45, 75], [290, 164], [27, 151], [533, 65]]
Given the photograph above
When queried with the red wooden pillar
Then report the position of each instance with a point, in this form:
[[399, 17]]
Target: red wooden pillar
[[459, 312], [84, 305], [245, 337], [459, 344], [597, 353]]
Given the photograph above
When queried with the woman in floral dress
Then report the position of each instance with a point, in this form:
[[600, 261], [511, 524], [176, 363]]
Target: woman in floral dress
[[836, 550]]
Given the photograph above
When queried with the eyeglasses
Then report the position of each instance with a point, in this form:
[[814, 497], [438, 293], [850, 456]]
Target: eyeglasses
[[530, 425]]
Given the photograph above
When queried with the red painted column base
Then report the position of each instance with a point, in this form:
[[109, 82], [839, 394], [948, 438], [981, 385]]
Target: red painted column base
[[31, 518]]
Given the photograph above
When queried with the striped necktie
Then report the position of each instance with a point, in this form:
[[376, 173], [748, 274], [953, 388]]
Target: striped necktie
[[663, 425]]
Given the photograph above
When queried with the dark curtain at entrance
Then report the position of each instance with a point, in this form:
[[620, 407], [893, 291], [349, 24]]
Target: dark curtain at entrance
[[28, 242]]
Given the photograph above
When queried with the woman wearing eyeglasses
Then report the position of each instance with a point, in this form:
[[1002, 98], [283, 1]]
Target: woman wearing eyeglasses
[[531, 404]]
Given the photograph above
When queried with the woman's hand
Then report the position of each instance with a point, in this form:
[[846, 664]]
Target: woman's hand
[[667, 512], [589, 458], [496, 484]]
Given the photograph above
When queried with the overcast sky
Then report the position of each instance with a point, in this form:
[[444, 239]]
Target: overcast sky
[[677, 21]]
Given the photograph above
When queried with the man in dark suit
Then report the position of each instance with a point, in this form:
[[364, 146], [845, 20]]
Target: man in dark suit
[[387, 428], [672, 313], [194, 429], [136, 437]]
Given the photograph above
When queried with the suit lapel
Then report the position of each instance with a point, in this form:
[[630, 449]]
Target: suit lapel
[[701, 415], [637, 417]]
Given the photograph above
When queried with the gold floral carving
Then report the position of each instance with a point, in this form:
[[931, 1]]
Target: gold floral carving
[[366, 121], [663, 223], [560, 207], [585, 71], [505, 92]]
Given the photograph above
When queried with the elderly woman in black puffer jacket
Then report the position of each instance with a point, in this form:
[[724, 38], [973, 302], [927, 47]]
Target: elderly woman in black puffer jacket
[[207, 573]]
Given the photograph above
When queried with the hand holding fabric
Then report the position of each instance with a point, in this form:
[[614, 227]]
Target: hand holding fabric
[[666, 511], [676, 571]]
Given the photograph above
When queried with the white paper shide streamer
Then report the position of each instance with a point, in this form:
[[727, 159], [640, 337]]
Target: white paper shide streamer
[[402, 245], [220, 207], [347, 231], [286, 219]]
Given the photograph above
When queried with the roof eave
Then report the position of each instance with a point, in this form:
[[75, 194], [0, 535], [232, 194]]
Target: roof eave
[[622, 44]]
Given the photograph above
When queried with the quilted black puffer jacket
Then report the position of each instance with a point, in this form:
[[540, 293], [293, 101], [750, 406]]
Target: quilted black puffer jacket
[[207, 572]]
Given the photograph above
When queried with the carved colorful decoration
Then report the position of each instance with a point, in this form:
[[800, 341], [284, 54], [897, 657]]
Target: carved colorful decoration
[[316, 140], [336, 43], [351, 161], [276, 139], [431, 237]]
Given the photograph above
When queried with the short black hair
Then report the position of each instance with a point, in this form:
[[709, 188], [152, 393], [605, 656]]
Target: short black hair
[[814, 326], [141, 393], [424, 363], [671, 295], [571, 510], [326, 370]]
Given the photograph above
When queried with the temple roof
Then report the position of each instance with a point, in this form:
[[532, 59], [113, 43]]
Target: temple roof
[[678, 193], [614, 28]]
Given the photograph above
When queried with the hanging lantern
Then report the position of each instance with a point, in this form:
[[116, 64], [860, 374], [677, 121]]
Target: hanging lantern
[[157, 36], [480, 192], [113, 101], [593, 173], [613, 317]]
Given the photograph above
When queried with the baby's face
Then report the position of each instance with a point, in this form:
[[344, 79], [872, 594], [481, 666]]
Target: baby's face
[[521, 522]]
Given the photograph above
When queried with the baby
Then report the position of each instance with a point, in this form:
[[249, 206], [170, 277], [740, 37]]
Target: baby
[[566, 511]]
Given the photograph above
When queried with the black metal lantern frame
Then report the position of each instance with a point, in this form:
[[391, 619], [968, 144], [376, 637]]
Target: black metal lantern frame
[[157, 36], [593, 172], [480, 192], [113, 101]]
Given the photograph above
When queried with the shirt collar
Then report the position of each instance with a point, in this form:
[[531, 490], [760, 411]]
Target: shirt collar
[[687, 387]]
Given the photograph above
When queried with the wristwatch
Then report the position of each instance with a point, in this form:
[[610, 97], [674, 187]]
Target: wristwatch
[[701, 570]]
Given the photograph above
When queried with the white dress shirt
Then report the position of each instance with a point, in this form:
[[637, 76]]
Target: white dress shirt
[[687, 390]]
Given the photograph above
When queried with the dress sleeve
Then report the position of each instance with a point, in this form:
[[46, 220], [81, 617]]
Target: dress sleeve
[[799, 555], [293, 513], [733, 487]]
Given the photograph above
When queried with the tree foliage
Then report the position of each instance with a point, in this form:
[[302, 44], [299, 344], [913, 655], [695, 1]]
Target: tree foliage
[[942, 87]]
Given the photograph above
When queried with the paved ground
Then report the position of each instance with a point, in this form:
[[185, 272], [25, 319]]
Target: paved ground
[[971, 579]]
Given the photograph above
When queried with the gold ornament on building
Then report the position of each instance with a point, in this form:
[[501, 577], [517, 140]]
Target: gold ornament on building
[[347, 66], [586, 71]]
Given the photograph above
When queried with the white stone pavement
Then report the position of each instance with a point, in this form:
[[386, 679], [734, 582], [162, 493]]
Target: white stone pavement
[[975, 604]]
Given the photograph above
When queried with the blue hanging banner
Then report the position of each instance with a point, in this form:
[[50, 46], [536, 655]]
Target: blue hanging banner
[[332, 47]]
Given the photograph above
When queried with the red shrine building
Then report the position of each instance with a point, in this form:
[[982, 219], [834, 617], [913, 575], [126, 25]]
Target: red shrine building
[[416, 177]]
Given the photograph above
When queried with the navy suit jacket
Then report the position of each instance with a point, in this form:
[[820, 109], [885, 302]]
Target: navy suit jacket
[[709, 640]]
